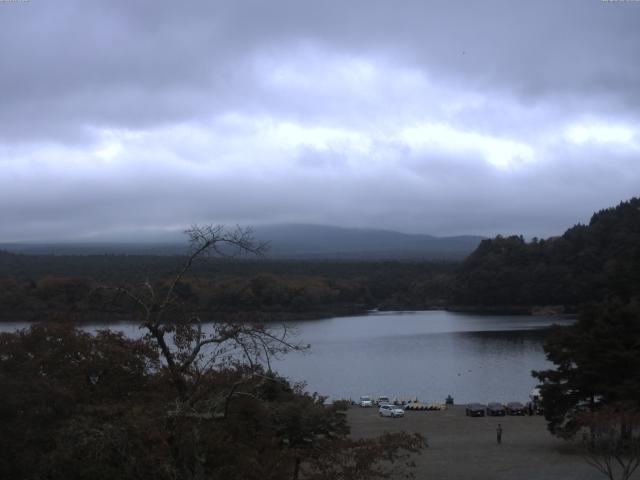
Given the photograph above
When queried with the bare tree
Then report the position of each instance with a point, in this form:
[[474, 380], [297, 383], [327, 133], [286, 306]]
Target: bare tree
[[186, 348], [611, 441]]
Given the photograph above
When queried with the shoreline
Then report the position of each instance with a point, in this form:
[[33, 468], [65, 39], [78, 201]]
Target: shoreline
[[286, 317]]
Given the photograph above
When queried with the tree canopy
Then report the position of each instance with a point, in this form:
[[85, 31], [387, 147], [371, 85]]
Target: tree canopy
[[597, 364], [587, 263]]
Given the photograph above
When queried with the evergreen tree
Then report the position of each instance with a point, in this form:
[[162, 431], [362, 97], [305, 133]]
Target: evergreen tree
[[597, 364]]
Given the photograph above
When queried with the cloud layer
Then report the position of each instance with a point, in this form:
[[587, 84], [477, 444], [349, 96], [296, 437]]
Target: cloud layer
[[433, 117]]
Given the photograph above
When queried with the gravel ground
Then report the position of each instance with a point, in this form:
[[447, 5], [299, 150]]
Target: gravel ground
[[462, 447]]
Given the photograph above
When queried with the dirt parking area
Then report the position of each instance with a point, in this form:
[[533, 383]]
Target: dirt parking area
[[462, 447]]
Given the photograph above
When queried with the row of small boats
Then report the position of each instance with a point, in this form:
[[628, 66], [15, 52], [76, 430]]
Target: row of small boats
[[425, 406]]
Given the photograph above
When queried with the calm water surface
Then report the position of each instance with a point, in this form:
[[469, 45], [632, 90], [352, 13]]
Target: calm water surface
[[428, 355]]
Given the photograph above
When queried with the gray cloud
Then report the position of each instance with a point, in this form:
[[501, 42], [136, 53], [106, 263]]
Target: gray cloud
[[139, 63], [436, 117]]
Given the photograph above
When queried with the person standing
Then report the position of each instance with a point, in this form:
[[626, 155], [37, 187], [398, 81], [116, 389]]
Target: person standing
[[499, 434]]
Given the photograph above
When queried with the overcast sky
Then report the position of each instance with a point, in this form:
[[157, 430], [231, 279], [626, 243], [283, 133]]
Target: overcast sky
[[125, 118]]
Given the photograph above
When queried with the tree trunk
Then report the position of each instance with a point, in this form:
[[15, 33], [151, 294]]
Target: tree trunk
[[296, 469]]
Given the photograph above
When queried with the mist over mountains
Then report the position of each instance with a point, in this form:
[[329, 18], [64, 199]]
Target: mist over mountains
[[288, 241], [321, 241]]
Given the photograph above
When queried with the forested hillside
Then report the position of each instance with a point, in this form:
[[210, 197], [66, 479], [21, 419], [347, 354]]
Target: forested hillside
[[37, 287], [588, 263]]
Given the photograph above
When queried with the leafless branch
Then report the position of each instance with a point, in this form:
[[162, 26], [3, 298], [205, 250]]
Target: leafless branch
[[183, 354]]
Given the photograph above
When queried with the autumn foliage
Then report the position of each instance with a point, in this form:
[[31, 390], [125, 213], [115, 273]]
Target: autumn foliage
[[77, 405]]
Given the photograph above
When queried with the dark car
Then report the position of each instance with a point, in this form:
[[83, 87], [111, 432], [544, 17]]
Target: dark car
[[475, 410], [496, 409], [515, 408]]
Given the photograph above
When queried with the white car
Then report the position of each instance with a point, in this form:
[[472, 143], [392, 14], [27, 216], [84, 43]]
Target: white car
[[390, 411], [365, 401]]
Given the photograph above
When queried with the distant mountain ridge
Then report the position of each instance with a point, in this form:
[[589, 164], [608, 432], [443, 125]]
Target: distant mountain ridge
[[308, 241], [291, 241]]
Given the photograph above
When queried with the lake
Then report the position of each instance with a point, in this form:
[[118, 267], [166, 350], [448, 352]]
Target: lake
[[428, 355]]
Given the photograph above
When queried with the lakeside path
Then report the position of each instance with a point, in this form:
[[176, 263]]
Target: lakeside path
[[462, 447]]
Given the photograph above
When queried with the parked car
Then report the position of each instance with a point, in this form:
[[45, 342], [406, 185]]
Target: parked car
[[383, 400], [387, 410], [515, 408], [365, 401], [495, 409], [475, 410]]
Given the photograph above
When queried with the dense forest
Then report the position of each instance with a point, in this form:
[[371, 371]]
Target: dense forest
[[33, 286], [587, 263]]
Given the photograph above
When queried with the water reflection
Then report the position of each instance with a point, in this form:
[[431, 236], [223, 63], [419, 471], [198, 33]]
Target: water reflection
[[408, 354], [423, 354]]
